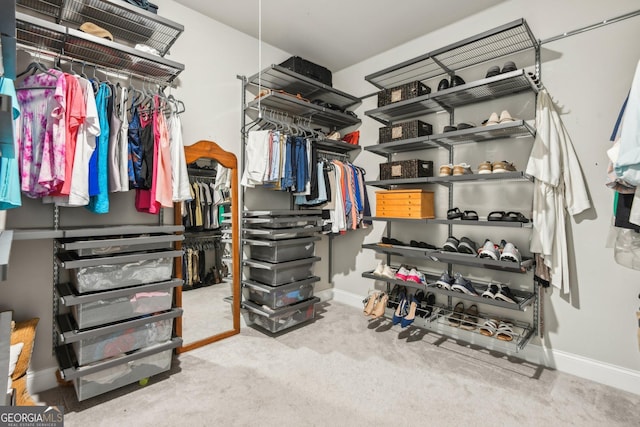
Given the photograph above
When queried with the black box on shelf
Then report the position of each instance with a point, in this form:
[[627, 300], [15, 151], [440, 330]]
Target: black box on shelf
[[308, 69], [405, 130], [400, 93], [406, 169]]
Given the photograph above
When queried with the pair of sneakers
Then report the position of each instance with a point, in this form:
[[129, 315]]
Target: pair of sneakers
[[384, 270], [456, 283], [455, 170], [410, 275], [500, 292], [463, 246], [505, 252]]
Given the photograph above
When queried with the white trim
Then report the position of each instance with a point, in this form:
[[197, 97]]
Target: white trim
[[569, 363]]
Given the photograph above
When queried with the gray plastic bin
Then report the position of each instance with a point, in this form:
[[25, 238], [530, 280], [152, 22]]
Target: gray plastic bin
[[278, 296]]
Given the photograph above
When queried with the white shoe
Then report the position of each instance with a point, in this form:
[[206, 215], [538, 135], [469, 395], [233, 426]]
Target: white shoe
[[379, 269], [416, 276], [493, 119], [510, 253], [388, 272], [489, 250], [402, 273]]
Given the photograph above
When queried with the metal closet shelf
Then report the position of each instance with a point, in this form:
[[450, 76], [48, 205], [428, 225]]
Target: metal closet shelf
[[498, 42], [126, 22], [60, 40], [277, 77]]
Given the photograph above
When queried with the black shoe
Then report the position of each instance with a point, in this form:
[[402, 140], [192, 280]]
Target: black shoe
[[493, 71], [508, 66], [444, 84], [457, 81]]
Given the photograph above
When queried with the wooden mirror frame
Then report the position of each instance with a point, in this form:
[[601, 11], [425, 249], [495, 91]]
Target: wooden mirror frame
[[210, 150]]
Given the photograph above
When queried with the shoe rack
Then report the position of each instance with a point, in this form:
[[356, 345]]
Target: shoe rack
[[503, 42]]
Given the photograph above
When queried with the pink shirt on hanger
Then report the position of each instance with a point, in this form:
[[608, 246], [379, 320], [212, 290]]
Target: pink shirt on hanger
[[163, 194]]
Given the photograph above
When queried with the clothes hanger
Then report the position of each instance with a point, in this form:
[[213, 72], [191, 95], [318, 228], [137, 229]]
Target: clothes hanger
[[35, 67]]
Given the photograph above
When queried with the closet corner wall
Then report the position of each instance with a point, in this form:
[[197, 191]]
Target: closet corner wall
[[278, 280]]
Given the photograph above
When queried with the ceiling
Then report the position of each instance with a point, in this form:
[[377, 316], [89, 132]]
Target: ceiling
[[338, 33]]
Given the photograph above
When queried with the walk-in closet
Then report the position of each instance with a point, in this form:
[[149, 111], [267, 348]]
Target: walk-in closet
[[331, 213]]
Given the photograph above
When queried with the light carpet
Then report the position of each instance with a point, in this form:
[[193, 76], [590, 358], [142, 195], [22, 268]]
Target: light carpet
[[345, 370]]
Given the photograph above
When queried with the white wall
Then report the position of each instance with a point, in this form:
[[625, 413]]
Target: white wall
[[589, 75]]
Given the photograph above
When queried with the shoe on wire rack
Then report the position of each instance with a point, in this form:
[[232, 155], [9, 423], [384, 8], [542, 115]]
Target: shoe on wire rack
[[504, 294], [402, 273], [510, 253], [416, 276], [463, 285], [379, 269], [489, 250], [388, 272], [445, 281]]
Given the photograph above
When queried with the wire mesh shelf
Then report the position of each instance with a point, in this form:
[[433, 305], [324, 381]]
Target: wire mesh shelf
[[127, 23], [515, 129], [445, 100], [498, 42], [54, 38], [280, 78]]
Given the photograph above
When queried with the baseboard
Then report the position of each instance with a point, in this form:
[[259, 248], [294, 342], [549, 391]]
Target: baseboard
[[580, 366], [42, 380]]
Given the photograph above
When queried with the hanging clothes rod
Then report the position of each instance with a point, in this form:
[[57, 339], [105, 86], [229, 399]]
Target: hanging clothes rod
[[591, 27], [53, 56], [333, 154]]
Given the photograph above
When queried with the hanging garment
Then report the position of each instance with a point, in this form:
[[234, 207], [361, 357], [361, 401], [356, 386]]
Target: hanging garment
[[99, 203], [627, 166], [135, 150], [256, 149], [150, 138], [124, 140], [180, 177], [9, 167], [115, 141], [85, 146], [558, 183], [41, 139], [164, 191], [75, 115]]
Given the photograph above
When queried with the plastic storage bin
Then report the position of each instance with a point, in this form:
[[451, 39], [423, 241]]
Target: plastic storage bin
[[114, 344], [122, 374], [282, 250], [282, 318], [278, 296], [280, 273], [112, 276]]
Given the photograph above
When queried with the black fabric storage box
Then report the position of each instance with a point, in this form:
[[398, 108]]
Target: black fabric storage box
[[405, 130], [308, 69], [400, 93], [406, 169]]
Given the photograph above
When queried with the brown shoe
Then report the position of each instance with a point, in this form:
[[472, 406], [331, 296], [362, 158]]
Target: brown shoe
[[462, 169], [485, 167], [503, 166], [446, 170]]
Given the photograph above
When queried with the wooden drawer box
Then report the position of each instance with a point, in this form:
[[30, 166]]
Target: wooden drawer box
[[405, 204]]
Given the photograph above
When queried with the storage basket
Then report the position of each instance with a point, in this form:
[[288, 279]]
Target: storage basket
[[405, 130], [308, 69], [400, 93], [406, 169]]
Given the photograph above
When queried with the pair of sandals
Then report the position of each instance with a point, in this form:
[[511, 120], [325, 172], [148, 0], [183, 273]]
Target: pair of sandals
[[464, 319], [464, 215], [511, 216], [375, 303], [502, 330]]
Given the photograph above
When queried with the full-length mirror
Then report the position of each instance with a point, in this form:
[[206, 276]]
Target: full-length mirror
[[210, 264]]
